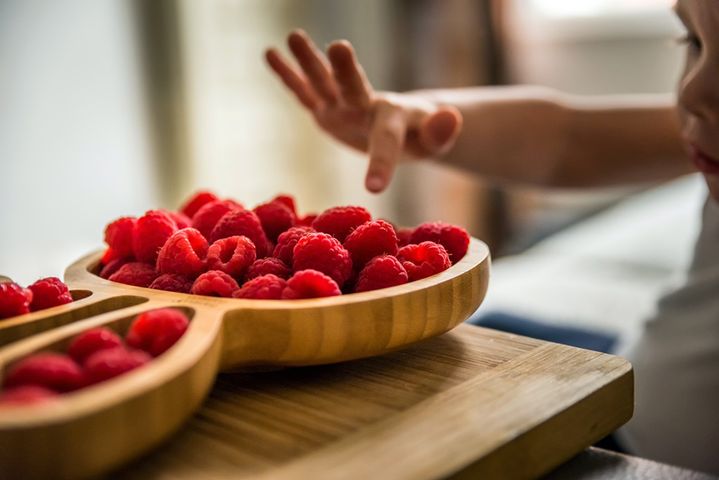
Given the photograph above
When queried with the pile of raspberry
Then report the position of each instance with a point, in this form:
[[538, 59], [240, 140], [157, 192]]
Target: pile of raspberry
[[92, 357], [218, 247], [45, 293]]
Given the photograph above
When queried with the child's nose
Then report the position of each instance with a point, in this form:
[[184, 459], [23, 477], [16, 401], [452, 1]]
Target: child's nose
[[699, 90]]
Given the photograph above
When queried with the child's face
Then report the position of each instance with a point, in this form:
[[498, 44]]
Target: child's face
[[699, 87]]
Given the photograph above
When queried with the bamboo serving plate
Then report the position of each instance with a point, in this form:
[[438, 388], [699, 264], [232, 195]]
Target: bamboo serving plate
[[99, 428]]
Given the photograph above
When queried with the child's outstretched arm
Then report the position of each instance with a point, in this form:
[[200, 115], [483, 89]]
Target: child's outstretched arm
[[522, 134]]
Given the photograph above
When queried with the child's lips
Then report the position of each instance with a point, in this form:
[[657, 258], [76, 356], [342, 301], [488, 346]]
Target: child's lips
[[703, 161]]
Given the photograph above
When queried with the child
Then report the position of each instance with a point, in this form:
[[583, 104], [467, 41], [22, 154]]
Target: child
[[541, 137]]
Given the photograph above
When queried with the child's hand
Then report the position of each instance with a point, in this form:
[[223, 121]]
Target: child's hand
[[386, 125]]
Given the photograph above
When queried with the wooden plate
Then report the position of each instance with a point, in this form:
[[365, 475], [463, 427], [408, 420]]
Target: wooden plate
[[98, 428]]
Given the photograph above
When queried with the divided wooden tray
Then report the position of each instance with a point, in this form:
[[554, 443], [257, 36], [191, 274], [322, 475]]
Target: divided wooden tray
[[100, 428]]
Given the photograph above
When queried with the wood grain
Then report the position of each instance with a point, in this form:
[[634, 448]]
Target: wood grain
[[101, 427], [473, 403]]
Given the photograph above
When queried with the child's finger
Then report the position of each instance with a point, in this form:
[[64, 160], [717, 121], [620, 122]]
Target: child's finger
[[351, 79], [293, 79], [386, 139], [438, 131], [314, 65]]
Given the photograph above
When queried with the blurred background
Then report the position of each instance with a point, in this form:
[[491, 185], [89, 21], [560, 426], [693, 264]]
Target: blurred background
[[114, 107]]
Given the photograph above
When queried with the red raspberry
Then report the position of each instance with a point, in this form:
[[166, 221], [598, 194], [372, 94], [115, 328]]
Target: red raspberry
[[286, 243], [112, 267], [183, 253], [110, 255], [242, 222], [151, 232], [14, 300], [214, 284], [453, 238], [171, 282], [275, 217], [288, 201], [54, 371], [266, 287], [196, 201], [381, 272], [307, 220], [91, 341], [181, 220], [135, 273], [210, 213], [340, 221], [369, 240], [322, 252], [268, 265], [49, 292], [232, 255], [404, 235], [157, 330], [118, 236], [423, 260], [25, 395], [106, 364], [310, 284]]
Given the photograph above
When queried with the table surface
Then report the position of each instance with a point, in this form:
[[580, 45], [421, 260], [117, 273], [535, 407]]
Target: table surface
[[472, 401], [599, 464]]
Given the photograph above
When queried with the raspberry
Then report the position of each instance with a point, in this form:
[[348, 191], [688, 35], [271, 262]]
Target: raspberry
[[25, 394], [49, 292], [106, 364], [453, 238], [275, 217], [268, 265], [369, 240], [118, 236], [288, 201], [307, 220], [14, 300], [157, 330], [171, 282], [310, 284], [135, 273], [210, 213], [196, 201], [242, 222], [214, 284], [183, 253], [110, 255], [322, 252], [340, 221], [91, 341], [286, 243], [423, 260], [232, 255], [267, 287], [151, 232], [381, 272], [181, 220], [54, 371], [403, 236], [112, 267]]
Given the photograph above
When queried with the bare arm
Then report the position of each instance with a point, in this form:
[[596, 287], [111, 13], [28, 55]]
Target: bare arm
[[521, 134], [538, 136]]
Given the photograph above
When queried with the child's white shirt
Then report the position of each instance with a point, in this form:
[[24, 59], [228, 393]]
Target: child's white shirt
[[676, 366]]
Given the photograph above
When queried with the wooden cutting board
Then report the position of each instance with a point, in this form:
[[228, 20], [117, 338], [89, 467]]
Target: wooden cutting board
[[473, 403]]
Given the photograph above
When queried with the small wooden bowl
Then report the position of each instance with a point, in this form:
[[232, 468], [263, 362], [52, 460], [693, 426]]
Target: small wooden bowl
[[98, 428]]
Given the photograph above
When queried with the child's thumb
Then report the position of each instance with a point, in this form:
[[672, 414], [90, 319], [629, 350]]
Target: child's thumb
[[440, 129]]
